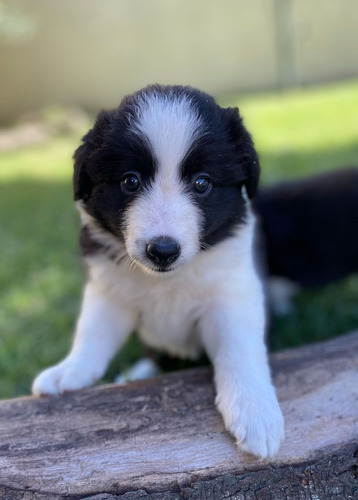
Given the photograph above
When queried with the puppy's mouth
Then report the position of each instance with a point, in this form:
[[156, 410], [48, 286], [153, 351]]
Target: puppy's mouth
[[163, 270], [150, 268]]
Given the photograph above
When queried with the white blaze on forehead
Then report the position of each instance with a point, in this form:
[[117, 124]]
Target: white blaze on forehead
[[169, 124]]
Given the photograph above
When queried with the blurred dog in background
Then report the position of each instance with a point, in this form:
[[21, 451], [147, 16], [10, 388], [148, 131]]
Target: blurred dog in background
[[309, 229]]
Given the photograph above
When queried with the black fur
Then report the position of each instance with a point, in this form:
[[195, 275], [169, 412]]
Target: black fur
[[310, 227], [227, 154]]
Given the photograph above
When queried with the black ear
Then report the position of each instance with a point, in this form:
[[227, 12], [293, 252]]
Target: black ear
[[248, 160], [91, 142], [82, 183]]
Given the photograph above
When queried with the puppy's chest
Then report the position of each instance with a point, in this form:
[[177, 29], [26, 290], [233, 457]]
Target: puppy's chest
[[168, 321], [167, 309]]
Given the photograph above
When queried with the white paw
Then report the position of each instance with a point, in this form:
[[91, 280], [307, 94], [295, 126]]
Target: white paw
[[255, 420], [142, 369], [69, 375]]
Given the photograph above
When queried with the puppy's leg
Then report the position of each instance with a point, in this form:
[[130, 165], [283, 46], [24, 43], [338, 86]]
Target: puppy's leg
[[245, 395], [102, 328]]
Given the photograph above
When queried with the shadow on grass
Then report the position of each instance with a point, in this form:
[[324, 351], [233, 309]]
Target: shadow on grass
[[40, 278]]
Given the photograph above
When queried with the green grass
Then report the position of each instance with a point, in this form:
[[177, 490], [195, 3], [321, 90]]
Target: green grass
[[41, 276], [303, 131]]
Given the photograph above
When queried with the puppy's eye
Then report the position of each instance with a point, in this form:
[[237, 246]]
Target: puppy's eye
[[130, 183], [202, 184]]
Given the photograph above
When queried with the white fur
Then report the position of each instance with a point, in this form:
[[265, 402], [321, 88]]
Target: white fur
[[142, 369], [211, 300]]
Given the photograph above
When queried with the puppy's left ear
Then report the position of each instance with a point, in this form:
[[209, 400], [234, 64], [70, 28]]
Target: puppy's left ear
[[248, 160], [91, 142]]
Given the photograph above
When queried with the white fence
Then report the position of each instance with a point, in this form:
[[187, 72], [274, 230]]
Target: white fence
[[91, 52]]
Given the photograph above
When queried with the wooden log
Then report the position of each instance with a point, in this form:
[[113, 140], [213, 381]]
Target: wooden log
[[164, 439]]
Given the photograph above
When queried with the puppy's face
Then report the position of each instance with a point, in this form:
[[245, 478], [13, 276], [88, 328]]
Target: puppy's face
[[163, 175]]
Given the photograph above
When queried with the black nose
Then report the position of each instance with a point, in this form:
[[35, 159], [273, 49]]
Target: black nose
[[163, 250]]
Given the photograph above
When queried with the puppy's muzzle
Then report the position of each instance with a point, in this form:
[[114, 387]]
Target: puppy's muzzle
[[163, 250]]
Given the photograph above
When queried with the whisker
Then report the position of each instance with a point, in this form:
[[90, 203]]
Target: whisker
[[205, 246], [127, 262]]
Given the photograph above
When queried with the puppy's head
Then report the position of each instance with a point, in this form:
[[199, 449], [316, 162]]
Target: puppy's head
[[163, 175]]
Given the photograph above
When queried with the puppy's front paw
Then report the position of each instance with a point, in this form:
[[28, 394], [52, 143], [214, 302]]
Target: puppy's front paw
[[69, 375], [255, 420]]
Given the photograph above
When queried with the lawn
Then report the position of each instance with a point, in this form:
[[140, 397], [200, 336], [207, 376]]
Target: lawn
[[296, 133]]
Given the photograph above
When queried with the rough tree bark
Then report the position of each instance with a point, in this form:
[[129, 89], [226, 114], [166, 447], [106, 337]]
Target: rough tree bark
[[163, 438]]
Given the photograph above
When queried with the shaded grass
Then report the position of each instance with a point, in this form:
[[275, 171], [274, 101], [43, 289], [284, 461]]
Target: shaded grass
[[41, 275], [40, 278]]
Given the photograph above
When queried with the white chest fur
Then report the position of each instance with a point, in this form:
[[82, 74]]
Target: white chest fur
[[167, 308]]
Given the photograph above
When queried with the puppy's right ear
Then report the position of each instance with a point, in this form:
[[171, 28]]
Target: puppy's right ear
[[82, 183], [248, 166]]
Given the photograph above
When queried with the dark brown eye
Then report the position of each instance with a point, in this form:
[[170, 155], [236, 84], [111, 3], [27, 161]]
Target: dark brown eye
[[202, 184], [130, 183]]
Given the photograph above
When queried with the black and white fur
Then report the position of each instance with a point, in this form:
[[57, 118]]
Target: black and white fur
[[162, 186]]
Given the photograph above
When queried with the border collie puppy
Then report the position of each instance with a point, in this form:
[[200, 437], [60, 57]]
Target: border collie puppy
[[163, 185], [310, 230]]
